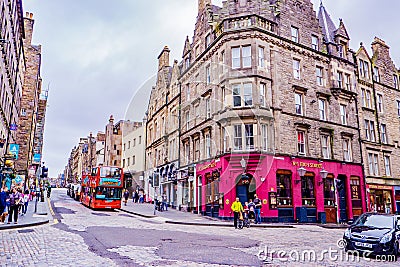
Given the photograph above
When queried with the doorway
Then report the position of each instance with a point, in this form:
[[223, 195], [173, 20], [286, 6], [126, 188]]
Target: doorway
[[245, 187], [341, 187]]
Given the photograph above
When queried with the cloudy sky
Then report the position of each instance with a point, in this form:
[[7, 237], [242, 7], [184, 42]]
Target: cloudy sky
[[98, 53]]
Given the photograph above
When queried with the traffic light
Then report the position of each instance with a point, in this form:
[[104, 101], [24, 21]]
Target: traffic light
[[45, 172]]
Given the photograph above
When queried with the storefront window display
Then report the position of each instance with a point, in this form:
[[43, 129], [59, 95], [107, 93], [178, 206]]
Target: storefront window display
[[284, 188], [308, 189]]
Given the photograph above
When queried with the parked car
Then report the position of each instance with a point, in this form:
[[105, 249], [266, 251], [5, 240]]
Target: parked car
[[77, 192], [374, 234]]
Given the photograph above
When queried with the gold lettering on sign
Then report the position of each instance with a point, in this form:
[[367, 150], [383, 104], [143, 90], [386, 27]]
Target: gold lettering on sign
[[307, 164]]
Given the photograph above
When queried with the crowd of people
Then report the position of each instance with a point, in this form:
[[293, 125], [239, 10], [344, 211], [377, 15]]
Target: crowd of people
[[14, 202], [137, 196]]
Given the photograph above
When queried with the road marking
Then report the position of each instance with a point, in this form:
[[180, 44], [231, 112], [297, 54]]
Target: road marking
[[51, 208]]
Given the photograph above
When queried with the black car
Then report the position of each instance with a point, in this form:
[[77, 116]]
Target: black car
[[374, 234]]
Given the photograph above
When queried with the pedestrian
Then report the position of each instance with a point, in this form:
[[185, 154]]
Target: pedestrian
[[164, 201], [126, 196], [258, 204], [15, 199], [237, 209], [3, 204], [136, 197], [141, 197], [25, 201]]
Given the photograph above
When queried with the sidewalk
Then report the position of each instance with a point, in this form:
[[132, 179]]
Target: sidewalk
[[173, 216], [31, 218]]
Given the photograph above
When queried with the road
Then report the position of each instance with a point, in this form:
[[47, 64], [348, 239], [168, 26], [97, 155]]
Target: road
[[84, 237]]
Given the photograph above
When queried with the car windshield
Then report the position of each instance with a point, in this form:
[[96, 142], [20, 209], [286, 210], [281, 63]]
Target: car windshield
[[373, 220]]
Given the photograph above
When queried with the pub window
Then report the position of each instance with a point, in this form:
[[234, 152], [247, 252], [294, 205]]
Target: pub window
[[308, 189], [329, 191], [356, 195], [212, 187], [284, 188]]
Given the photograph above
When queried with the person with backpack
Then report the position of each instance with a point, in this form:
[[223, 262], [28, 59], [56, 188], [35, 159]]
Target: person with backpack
[[14, 199]]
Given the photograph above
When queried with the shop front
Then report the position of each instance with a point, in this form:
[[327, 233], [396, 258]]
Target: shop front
[[380, 198], [291, 189], [186, 189]]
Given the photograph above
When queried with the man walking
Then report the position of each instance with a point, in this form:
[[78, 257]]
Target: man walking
[[237, 208], [257, 202]]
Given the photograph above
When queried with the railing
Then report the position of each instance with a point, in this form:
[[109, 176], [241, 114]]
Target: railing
[[244, 23]]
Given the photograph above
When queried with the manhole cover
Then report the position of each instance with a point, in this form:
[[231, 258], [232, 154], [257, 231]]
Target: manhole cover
[[25, 231]]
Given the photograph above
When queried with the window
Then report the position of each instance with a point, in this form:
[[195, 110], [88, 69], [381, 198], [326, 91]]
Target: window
[[208, 108], [314, 42], [373, 164], [133, 160], [296, 69], [380, 102], [319, 72], [322, 109], [188, 92], [187, 120], [237, 138], [264, 134], [23, 112], [364, 68], [299, 103], [187, 153], [341, 50], [284, 188], [340, 79], [301, 142], [196, 149], [347, 154], [223, 97], [208, 145], [261, 60], [208, 40], [124, 146], [225, 141], [236, 57], [208, 75], [129, 161], [295, 34], [383, 134], [347, 82], [249, 136], [140, 139], [246, 53], [366, 98], [396, 81], [237, 99], [134, 140], [242, 3], [387, 166], [262, 94], [248, 94], [326, 146], [369, 130], [398, 108], [343, 115], [376, 74], [123, 163], [307, 189]]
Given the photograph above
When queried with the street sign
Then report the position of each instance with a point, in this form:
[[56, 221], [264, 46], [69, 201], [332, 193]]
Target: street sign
[[36, 158], [14, 149], [13, 127]]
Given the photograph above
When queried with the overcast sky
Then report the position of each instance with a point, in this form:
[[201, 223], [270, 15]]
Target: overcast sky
[[98, 53]]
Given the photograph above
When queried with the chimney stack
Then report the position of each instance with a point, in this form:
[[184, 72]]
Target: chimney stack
[[163, 58]]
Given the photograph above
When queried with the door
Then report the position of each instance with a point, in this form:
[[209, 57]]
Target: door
[[341, 187], [241, 193]]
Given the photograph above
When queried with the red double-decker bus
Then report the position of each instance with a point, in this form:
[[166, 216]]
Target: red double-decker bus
[[102, 189]]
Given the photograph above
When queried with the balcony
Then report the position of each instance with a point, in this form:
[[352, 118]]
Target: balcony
[[245, 22]]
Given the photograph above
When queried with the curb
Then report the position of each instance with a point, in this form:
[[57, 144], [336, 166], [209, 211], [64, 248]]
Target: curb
[[229, 225], [138, 214], [16, 226]]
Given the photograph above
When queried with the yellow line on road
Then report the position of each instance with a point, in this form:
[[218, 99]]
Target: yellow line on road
[[50, 207]]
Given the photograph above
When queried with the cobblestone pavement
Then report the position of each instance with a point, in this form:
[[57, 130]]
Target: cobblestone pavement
[[84, 237]]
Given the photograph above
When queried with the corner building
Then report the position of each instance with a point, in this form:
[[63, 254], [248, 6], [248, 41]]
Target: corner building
[[269, 107]]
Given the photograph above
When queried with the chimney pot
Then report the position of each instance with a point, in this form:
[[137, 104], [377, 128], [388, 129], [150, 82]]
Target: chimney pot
[[31, 15]]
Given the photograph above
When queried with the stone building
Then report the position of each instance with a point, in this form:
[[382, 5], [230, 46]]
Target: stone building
[[100, 142], [269, 107], [162, 131], [379, 112], [29, 105], [12, 67], [133, 156]]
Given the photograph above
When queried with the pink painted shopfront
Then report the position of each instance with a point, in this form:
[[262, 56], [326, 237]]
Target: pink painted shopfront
[[291, 189]]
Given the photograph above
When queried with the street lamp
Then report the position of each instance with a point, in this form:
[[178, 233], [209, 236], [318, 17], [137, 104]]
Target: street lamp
[[243, 163], [301, 171], [323, 174]]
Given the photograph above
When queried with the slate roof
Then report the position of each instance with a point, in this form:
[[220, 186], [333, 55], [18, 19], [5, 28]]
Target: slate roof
[[327, 25]]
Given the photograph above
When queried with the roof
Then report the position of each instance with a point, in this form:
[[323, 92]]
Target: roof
[[327, 25]]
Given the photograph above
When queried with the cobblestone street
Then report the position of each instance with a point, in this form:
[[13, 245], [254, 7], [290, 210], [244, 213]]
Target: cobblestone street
[[85, 237]]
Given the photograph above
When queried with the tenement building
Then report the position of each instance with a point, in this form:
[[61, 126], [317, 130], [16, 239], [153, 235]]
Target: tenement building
[[268, 106], [162, 133], [12, 67], [379, 113]]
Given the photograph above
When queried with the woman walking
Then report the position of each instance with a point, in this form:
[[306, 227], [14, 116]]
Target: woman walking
[[15, 199]]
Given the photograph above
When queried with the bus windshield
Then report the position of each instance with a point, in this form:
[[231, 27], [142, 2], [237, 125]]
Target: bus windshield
[[114, 172], [108, 193]]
